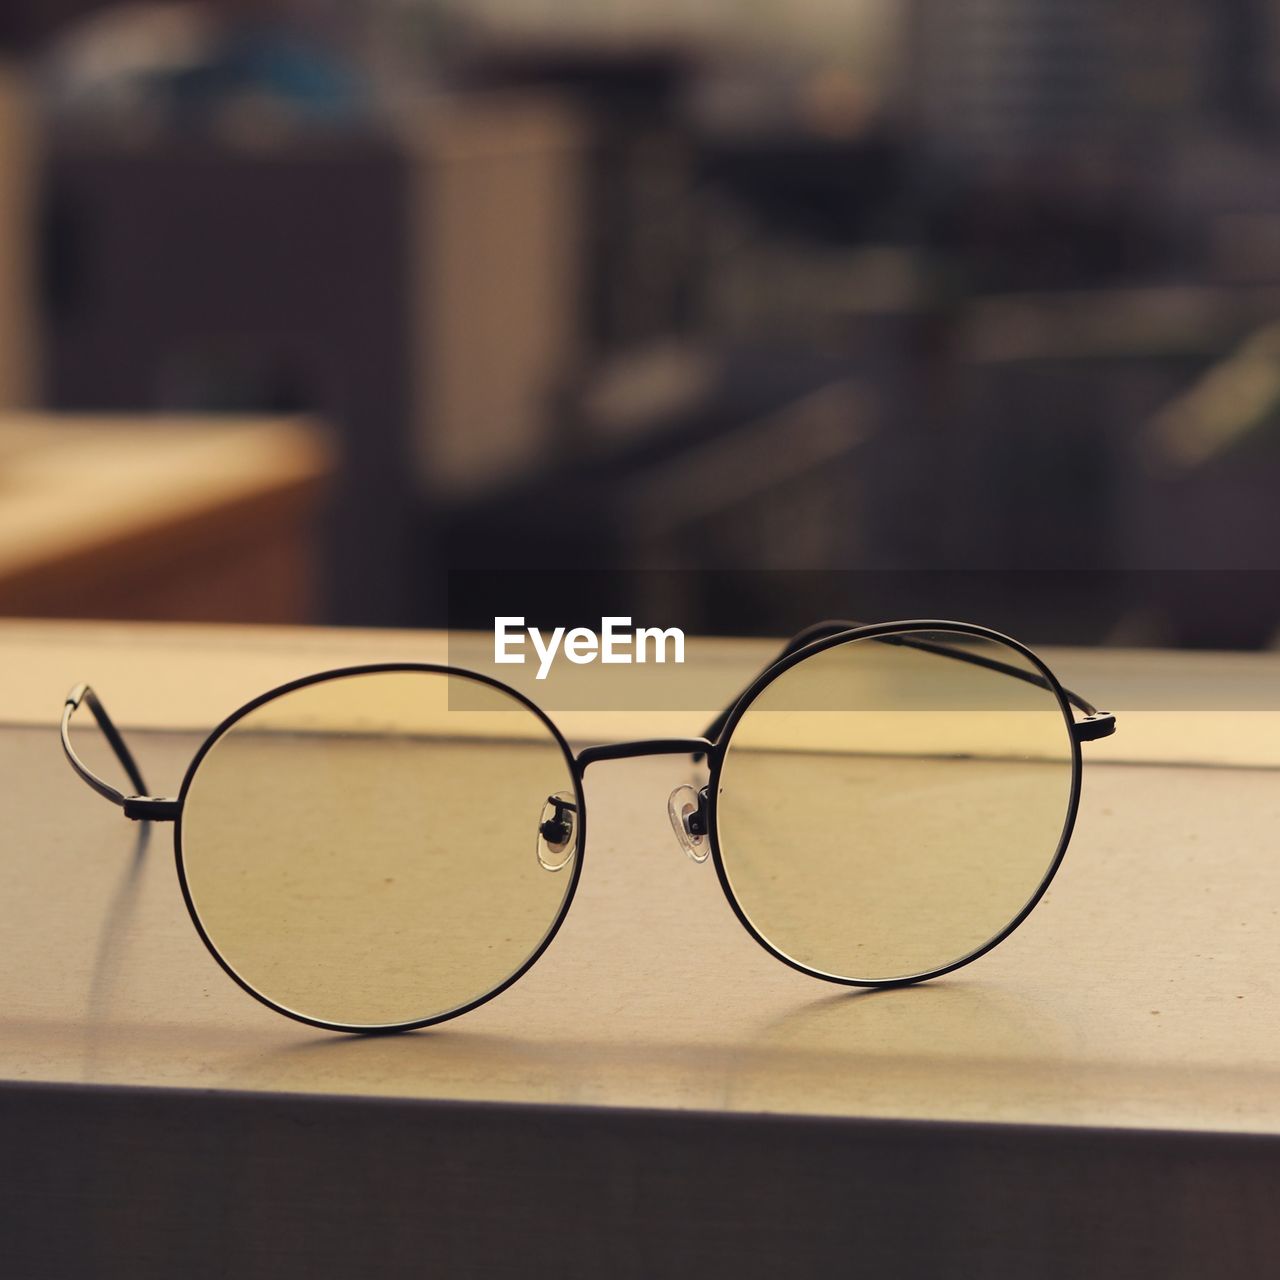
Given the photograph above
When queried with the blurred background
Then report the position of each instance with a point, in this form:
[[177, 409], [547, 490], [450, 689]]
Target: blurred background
[[306, 306]]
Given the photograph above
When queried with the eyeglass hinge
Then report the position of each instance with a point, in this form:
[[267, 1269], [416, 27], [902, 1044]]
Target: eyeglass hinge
[[1102, 724], [151, 809]]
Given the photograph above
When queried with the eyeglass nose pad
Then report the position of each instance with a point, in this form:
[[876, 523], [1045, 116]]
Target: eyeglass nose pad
[[687, 810], [557, 831]]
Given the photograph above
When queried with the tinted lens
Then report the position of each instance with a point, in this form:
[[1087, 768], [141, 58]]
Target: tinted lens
[[885, 811], [364, 850]]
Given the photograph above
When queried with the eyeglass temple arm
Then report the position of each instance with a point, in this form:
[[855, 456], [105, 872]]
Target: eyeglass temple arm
[[138, 806], [1096, 724]]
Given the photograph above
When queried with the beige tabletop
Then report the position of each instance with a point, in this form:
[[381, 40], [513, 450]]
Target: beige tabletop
[[1138, 994]]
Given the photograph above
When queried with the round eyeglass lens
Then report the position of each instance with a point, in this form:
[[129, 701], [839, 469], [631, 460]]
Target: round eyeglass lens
[[888, 807], [363, 850]]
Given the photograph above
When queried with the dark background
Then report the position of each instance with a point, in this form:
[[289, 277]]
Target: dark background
[[975, 298]]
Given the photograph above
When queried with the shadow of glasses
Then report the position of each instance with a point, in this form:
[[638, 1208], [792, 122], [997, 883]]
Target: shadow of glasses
[[896, 1050], [112, 944]]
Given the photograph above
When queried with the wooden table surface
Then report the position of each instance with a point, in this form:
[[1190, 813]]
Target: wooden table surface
[[1139, 996], [160, 516]]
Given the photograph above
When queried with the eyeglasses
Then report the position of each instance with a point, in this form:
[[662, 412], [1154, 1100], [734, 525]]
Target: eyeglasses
[[385, 847]]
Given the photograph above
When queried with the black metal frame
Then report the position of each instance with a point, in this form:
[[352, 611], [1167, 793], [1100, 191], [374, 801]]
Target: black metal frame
[[1096, 724], [713, 746]]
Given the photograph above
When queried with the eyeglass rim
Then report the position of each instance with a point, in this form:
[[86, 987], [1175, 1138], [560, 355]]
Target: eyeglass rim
[[870, 632], [339, 673]]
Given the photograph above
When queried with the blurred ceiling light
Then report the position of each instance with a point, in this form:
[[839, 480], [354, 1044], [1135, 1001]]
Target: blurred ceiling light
[[1235, 399], [651, 386], [104, 55], [146, 67]]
